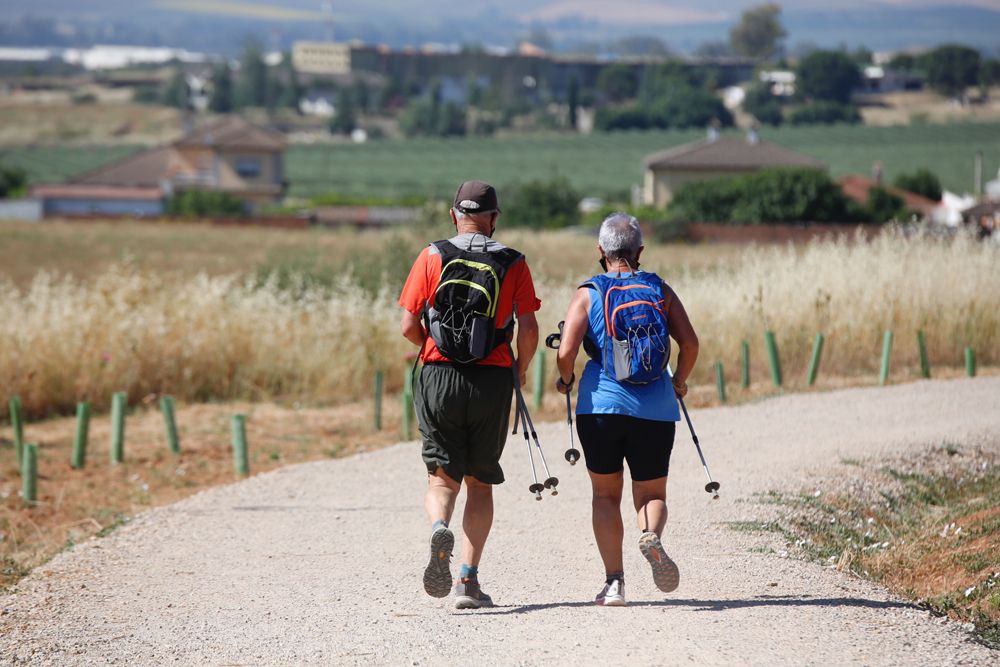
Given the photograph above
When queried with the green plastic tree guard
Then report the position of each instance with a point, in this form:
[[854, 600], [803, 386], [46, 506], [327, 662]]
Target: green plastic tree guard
[[925, 364], [170, 423], [883, 375], [378, 400], [118, 402], [970, 362], [745, 363], [538, 381], [29, 474], [81, 435], [241, 458], [17, 424], [720, 381], [772, 357], [408, 404], [814, 360]]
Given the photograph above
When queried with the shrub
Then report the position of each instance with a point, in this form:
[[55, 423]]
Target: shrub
[[825, 113], [541, 204], [772, 195], [763, 105], [884, 206], [683, 108], [205, 204], [12, 182], [922, 182]]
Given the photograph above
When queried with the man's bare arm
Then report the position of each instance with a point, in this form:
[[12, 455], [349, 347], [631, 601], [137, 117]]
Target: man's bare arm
[[412, 328]]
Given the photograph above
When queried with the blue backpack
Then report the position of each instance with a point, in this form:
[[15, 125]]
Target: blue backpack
[[636, 340]]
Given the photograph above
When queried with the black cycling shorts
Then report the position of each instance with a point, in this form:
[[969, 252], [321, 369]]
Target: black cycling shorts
[[609, 440]]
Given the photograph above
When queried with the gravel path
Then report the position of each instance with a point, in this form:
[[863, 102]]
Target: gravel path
[[321, 563]]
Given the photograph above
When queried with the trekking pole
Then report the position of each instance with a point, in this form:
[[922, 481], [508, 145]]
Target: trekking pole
[[712, 486], [535, 487], [572, 454], [551, 482]]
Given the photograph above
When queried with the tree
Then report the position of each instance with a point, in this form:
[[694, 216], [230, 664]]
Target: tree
[[251, 88], [759, 33], [573, 102], [177, 94], [923, 182], [343, 121], [291, 92], [827, 75], [951, 69], [989, 74], [763, 105], [618, 82], [221, 100]]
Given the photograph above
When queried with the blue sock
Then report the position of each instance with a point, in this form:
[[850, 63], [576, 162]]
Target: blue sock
[[439, 524], [469, 571]]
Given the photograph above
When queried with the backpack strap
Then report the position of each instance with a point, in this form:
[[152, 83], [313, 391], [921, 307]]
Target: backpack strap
[[590, 347]]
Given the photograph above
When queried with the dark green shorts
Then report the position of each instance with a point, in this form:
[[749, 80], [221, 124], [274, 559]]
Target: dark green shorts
[[463, 413]]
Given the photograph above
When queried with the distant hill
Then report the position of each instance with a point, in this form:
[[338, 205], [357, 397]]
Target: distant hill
[[213, 25]]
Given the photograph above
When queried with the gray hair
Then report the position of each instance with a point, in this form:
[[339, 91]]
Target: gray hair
[[620, 237]]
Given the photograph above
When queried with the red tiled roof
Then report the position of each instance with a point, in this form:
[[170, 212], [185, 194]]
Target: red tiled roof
[[729, 153], [233, 132], [857, 187]]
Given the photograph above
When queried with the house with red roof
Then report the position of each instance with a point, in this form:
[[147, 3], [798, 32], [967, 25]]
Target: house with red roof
[[229, 155]]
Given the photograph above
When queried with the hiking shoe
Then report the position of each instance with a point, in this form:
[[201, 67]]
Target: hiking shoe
[[666, 576], [437, 576], [468, 595], [612, 595]]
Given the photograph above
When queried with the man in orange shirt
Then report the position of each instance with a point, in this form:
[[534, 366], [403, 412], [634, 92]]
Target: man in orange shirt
[[463, 400]]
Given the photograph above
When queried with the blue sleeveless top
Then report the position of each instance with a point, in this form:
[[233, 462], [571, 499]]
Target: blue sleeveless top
[[601, 395]]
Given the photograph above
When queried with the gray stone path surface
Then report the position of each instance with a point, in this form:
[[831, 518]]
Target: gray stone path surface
[[321, 563]]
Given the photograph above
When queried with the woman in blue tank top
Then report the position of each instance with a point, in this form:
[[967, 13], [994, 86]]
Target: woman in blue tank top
[[620, 421]]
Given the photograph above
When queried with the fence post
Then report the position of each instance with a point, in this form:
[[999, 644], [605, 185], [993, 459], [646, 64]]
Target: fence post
[[772, 357], [170, 423], [814, 360], [118, 400], [970, 362], [883, 376], [29, 474], [240, 457], [81, 435], [538, 381], [17, 424], [925, 365], [378, 400], [720, 381], [408, 404], [745, 362]]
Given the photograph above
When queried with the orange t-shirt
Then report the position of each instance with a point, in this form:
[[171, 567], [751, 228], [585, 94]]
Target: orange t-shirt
[[517, 294]]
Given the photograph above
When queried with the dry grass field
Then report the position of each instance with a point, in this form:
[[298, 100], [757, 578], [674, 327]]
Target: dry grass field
[[221, 314]]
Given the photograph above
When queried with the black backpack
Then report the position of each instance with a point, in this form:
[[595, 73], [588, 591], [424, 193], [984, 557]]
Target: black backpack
[[462, 320]]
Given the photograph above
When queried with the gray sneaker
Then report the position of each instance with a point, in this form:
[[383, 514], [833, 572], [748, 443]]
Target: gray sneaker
[[437, 575], [468, 595], [613, 594], [666, 576]]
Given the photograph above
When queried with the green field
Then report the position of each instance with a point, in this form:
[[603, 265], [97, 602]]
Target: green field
[[597, 164]]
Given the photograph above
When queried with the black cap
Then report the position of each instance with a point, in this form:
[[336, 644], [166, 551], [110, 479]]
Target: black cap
[[476, 197]]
